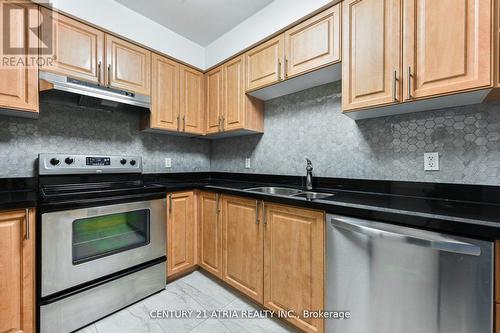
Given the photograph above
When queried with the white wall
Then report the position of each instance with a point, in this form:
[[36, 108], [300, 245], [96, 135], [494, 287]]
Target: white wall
[[270, 19], [117, 18]]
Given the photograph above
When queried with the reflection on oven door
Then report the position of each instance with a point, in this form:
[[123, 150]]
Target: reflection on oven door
[[81, 245]]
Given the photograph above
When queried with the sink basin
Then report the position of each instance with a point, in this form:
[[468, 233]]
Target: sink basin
[[313, 195], [275, 190]]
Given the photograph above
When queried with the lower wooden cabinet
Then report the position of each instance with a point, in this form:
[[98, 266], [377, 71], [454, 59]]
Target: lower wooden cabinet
[[181, 233], [294, 249], [17, 271], [497, 318], [210, 233], [242, 248]]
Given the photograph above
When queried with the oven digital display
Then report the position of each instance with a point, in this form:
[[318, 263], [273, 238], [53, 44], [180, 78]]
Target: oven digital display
[[98, 161]]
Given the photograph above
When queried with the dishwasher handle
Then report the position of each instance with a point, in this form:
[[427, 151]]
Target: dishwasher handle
[[401, 234]]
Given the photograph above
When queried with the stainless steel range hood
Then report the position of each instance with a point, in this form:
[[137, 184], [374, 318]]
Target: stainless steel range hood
[[93, 95]]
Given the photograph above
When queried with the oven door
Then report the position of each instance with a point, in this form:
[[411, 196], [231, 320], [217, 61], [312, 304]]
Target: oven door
[[82, 245]]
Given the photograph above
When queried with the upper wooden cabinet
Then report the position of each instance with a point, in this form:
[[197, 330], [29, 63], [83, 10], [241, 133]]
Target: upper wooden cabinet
[[78, 48], [447, 46], [210, 233], [18, 82], [265, 64], [192, 100], [128, 66], [371, 61], [214, 96], [313, 43], [242, 245], [165, 111], [181, 231], [294, 251], [17, 278]]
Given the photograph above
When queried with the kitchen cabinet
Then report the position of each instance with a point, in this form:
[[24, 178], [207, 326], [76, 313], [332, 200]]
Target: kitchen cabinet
[[192, 100], [210, 231], [242, 247], [18, 82], [447, 47], [313, 43], [229, 109], [371, 60], [294, 250], [397, 53], [165, 111], [265, 64], [17, 281], [214, 96], [78, 48], [181, 233], [128, 66], [497, 318]]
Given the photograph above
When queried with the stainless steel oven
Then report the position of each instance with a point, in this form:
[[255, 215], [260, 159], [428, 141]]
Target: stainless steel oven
[[102, 239], [81, 245]]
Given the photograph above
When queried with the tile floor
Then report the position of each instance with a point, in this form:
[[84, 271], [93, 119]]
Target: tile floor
[[196, 292]]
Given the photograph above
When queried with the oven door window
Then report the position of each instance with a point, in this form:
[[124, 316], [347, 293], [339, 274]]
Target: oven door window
[[100, 236]]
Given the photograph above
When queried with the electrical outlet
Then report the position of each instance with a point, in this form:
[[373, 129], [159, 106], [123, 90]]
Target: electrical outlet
[[168, 162], [247, 163], [431, 161]]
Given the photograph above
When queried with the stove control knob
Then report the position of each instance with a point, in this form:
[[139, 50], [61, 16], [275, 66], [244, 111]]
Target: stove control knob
[[132, 162], [123, 161], [69, 160], [54, 161]]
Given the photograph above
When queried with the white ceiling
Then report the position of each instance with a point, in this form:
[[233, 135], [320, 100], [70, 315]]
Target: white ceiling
[[201, 21]]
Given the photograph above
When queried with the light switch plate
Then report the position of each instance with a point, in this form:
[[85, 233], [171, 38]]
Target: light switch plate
[[168, 162], [247, 163], [431, 161]]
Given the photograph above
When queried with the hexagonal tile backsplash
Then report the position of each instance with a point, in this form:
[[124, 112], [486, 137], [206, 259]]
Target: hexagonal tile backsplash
[[307, 123], [310, 123], [64, 129]]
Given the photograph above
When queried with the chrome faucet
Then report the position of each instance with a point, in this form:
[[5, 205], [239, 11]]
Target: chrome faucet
[[309, 177]]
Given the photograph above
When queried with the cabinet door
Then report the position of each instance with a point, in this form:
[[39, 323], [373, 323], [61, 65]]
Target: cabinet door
[[294, 263], [371, 73], [18, 82], [165, 94], [180, 233], [210, 231], [313, 43], [128, 66], [17, 280], [192, 103], [214, 95], [447, 46], [242, 247], [78, 48], [264, 64], [234, 94]]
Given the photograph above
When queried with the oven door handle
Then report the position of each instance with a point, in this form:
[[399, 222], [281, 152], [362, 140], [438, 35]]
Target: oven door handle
[[100, 201]]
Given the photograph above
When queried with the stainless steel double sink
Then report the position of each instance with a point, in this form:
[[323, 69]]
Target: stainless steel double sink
[[289, 192]]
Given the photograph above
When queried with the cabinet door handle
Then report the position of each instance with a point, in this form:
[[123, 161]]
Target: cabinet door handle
[[27, 225], [264, 217], [109, 75], [256, 211], [285, 69], [279, 70], [409, 83], [222, 122], [184, 123], [99, 69], [170, 203], [395, 86], [178, 122], [217, 205]]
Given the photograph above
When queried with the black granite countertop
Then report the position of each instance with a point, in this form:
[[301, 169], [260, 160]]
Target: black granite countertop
[[470, 210]]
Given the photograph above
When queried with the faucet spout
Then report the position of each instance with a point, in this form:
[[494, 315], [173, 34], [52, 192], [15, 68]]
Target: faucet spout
[[309, 176]]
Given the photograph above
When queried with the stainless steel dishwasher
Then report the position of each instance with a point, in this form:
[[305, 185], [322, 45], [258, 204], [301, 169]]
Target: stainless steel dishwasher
[[394, 279]]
